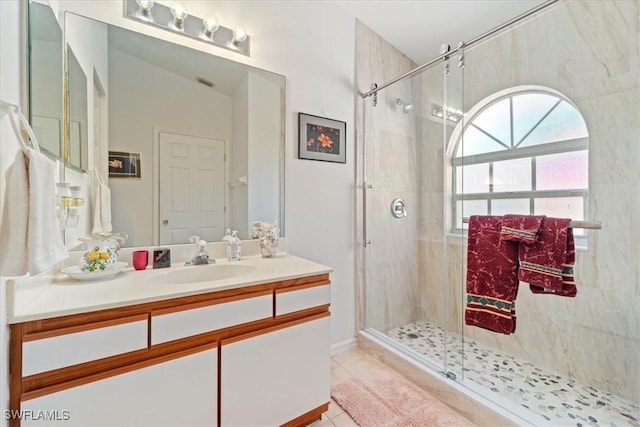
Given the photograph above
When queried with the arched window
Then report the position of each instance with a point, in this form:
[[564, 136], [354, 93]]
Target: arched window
[[524, 150]]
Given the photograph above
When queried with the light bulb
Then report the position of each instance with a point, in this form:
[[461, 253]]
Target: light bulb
[[239, 35], [145, 9], [179, 11], [211, 24], [145, 5]]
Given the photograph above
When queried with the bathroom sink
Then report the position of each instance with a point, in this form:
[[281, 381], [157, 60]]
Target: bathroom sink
[[200, 273]]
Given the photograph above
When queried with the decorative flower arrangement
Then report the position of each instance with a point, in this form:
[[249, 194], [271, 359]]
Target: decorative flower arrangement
[[98, 259]]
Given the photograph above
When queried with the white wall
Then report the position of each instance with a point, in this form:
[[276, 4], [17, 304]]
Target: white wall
[[313, 44]]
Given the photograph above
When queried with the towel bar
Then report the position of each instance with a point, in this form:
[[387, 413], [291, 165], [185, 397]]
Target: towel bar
[[592, 225]]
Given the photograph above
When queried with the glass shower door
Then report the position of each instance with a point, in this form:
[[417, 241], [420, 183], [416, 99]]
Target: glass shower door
[[394, 273]]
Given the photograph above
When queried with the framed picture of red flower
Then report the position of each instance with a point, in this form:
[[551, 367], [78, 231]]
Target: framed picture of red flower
[[322, 139]]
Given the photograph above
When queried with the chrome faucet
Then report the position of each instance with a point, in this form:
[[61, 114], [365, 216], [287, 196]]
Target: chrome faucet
[[201, 257]]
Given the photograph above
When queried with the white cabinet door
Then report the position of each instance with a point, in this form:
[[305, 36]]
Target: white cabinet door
[[179, 392], [275, 377]]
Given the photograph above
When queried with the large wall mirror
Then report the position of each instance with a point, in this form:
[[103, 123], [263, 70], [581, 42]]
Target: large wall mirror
[[187, 142]]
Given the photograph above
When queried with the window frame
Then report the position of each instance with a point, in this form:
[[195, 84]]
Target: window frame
[[531, 152]]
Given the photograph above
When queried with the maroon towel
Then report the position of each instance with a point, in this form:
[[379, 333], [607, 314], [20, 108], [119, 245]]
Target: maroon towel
[[568, 288], [521, 228], [492, 276], [547, 265]]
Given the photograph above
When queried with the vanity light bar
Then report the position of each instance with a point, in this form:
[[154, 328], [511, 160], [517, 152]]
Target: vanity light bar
[[160, 15]]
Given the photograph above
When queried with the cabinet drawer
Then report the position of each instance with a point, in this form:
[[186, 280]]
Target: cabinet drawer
[[288, 301], [169, 325], [94, 342]]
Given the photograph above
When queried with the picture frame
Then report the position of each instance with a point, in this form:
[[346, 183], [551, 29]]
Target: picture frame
[[123, 164], [321, 138]]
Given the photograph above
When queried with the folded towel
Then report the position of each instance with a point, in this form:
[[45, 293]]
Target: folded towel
[[543, 263], [44, 241], [521, 228], [492, 276], [15, 214], [567, 253], [102, 206]]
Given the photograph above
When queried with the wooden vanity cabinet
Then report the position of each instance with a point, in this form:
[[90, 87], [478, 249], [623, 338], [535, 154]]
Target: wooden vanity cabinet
[[230, 358]]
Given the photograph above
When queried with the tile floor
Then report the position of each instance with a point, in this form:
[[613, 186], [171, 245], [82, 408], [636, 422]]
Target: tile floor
[[558, 399], [343, 366]]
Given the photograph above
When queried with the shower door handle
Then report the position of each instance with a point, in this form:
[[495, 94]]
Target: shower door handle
[[365, 187], [398, 208]]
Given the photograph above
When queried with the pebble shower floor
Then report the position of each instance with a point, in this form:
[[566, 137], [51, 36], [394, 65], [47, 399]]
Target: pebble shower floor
[[559, 399]]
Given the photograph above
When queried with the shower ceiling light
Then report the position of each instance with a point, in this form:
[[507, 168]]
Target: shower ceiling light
[[177, 19]]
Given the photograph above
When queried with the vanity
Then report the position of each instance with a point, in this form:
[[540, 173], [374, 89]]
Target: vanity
[[249, 347]]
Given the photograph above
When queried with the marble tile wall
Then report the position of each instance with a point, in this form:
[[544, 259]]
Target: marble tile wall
[[389, 264]]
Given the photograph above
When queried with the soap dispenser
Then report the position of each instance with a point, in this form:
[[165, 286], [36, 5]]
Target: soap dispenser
[[233, 247]]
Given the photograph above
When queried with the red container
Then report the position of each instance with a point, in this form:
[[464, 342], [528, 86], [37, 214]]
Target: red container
[[140, 259]]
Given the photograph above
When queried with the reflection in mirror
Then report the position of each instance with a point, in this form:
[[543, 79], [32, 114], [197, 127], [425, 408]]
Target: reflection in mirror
[[207, 133], [77, 99], [45, 78]]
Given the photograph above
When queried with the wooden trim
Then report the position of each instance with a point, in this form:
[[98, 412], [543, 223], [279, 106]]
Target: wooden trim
[[15, 371], [201, 304], [71, 373], [300, 287], [32, 326], [309, 417], [117, 371], [320, 279], [81, 328], [274, 328]]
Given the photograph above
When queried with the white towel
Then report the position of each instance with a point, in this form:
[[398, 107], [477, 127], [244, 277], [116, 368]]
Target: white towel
[[30, 235], [102, 206], [44, 241], [15, 215]]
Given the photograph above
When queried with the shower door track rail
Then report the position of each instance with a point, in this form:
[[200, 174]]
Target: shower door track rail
[[592, 225], [460, 46]]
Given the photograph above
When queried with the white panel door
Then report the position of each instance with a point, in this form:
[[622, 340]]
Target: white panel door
[[192, 188], [269, 379], [180, 392]]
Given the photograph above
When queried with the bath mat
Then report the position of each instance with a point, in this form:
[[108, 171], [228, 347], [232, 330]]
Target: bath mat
[[386, 399]]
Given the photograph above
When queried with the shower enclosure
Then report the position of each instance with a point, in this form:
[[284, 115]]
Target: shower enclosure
[[541, 116]]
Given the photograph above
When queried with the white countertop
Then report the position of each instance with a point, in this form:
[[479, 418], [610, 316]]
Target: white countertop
[[54, 295]]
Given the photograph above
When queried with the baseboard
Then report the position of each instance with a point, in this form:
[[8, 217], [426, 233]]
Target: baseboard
[[343, 346]]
